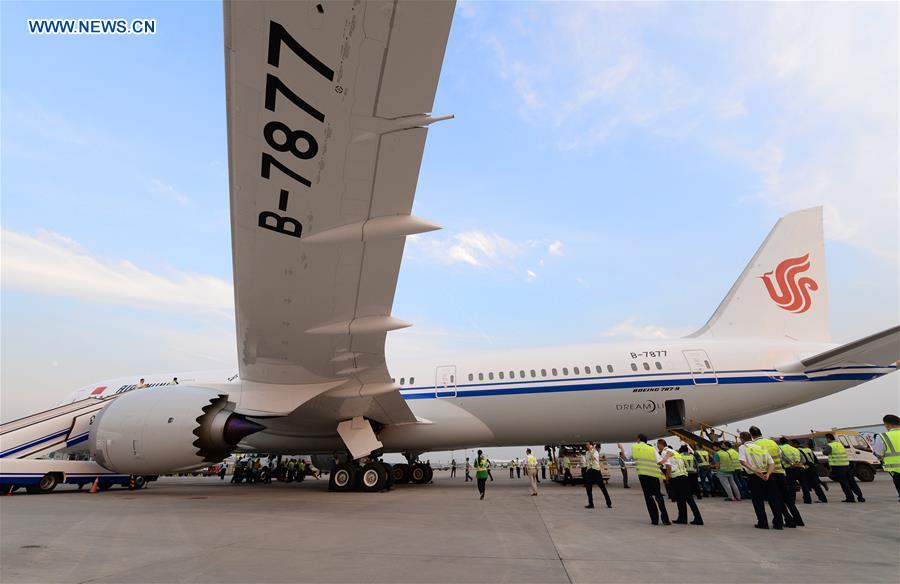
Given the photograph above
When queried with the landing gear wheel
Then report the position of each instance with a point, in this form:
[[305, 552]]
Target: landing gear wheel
[[401, 473], [373, 477], [429, 473], [47, 484], [136, 482], [419, 473], [390, 475], [343, 478]]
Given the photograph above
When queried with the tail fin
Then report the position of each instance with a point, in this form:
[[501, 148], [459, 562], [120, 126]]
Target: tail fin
[[782, 293]]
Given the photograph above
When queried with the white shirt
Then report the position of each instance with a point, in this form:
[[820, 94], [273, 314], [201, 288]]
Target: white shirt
[[673, 466]]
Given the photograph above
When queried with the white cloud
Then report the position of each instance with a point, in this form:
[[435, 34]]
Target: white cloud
[[530, 275], [474, 248], [804, 95], [631, 329], [51, 263], [556, 248], [168, 191]]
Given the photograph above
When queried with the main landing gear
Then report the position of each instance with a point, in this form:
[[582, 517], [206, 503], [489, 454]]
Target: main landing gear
[[371, 477]]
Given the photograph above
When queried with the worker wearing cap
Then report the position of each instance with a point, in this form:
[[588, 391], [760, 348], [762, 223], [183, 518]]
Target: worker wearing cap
[[673, 465], [840, 466], [760, 466], [792, 461], [887, 447], [645, 461], [812, 474], [779, 477], [592, 475], [705, 468], [531, 465]]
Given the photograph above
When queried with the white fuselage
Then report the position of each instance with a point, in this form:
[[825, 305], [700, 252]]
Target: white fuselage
[[603, 392]]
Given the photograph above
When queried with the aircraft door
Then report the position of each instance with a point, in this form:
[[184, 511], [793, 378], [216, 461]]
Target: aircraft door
[[445, 381], [702, 370]]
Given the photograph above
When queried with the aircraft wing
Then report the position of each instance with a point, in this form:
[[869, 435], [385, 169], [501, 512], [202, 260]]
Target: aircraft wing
[[879, 349], [328, 104]]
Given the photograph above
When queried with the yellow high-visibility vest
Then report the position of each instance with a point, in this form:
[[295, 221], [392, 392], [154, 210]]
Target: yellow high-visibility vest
[[645, 460], [756, 456], [704, 458], [838, 456], [772, 448], [891, 460], [679, 470]]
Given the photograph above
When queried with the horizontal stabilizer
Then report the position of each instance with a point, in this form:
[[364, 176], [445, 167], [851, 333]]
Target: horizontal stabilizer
[[879, 349]]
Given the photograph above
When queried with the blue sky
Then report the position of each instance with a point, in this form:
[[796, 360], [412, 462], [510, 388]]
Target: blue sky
[[610, 170]]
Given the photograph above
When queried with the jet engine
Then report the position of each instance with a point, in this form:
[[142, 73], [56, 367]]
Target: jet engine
[[157, 431]]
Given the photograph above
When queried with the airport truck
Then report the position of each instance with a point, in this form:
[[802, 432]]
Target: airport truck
[[862, 460], [42, 475]]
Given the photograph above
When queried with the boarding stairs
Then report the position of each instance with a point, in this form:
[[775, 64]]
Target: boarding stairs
[[39, 434]]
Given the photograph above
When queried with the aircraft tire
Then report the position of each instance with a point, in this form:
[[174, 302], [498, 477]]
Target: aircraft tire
[[429, 473], [47, 484], [373, 477], [419, 473], [343, 478], [401, 473], [390, 475]]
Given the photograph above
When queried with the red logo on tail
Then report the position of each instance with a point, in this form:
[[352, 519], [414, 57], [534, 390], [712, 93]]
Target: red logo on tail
[[791, 294]]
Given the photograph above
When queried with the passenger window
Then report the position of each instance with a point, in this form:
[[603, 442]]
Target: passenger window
[[402, 380], [533, 374], [599, 368], [608, 368], [412, 380], [501, 375], [634, 366], [522, 374], [646, 366], [565, 370], [543, 373], [587, 369], [471, 377], [481, 377], [554, 372], [577, 371], [512, 374], [659, 365], [491, 375]]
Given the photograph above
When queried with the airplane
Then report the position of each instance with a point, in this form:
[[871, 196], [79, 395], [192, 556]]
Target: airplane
[[328, 109]]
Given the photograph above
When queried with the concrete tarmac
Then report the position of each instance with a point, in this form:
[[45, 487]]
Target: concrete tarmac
[[206, 530]]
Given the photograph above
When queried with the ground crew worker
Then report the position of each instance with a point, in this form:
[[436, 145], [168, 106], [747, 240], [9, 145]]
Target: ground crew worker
[[531, 464], [674, 466], [705, 477], [760, 466], [887, 447], [622, 460], [812, 474], [592, 475], [778, 476], [511, 469], [840, 466], [726, 465], [792, 460], [740, 477], [482, 465], [690, 465], [468, 471], [649, 473], [518, 469], [452, 468], [567, 471]]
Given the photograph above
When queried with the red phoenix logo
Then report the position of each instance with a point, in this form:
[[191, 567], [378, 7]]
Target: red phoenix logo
[[792, 294]]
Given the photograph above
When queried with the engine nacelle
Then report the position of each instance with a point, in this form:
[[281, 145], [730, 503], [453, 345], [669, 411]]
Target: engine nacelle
[[157, 431]]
